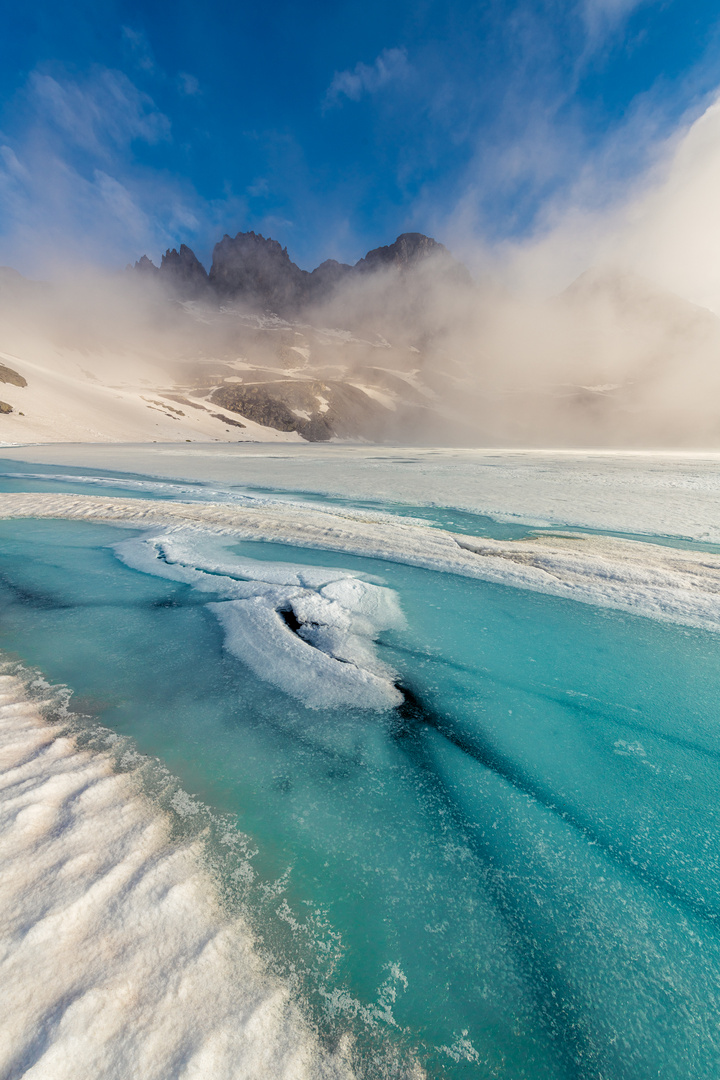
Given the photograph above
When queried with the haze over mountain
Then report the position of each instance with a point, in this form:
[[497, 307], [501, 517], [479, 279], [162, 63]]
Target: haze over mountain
[[255, 270], [403, 346]]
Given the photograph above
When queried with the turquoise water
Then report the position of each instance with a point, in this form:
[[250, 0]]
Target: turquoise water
[[515, 874]]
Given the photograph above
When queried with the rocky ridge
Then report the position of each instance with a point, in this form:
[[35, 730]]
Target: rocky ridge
[[258, 272]]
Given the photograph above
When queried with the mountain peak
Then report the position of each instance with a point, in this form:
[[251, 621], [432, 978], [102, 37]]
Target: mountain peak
[[145, 266], [253, 267], [411, 250], [256, 270], [184, 271]]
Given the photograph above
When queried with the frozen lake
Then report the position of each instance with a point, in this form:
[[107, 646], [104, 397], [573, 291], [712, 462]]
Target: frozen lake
[[438, 786]]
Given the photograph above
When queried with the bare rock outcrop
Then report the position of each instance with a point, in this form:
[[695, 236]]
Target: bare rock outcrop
[[8, 375], [318, 411], [183, 272]]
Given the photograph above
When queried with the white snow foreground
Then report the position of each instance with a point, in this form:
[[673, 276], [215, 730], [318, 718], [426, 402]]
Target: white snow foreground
[[307, 630], [659, 582], [116, 960]]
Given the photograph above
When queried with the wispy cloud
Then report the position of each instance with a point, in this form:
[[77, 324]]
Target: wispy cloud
[[70, 186], [390, 66], [103, 110], [604, 17], [138, 47], [188, 84]]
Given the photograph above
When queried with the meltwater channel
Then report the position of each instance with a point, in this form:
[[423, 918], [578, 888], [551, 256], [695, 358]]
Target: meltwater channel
[[510, 869]]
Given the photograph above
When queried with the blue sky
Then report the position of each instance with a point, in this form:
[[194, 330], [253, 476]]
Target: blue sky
[[129, 127]]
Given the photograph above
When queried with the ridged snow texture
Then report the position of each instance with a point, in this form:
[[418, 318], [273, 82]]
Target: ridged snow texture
[[116, 960]]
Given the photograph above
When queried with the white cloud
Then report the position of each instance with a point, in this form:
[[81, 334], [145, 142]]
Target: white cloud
[[390, 66], [670, 231], [664, 225]]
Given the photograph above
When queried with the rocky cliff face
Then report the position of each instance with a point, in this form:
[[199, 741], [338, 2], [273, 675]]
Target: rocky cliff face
[[409, 251], [184, 272], [325, 279], [316, 410], [257, 272]]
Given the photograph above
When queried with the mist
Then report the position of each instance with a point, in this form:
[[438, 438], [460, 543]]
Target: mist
[[601, 329]]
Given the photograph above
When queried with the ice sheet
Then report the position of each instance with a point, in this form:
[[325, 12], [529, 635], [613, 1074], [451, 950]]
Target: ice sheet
[[658, 493]]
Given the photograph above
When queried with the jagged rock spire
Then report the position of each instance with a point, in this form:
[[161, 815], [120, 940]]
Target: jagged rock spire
[[256, 270], [184, 272]]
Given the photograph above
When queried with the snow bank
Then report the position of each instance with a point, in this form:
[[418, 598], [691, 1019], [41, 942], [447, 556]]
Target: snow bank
[[116, 960]]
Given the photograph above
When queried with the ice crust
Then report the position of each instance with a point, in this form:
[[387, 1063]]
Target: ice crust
[[256, 634], [653, 492], [328, 661], [645, 579], [116, 960]]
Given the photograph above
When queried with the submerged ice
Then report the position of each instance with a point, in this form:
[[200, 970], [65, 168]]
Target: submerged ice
[[308, 631]]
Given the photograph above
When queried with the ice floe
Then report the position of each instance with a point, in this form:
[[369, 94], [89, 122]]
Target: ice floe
[[307, 630]]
